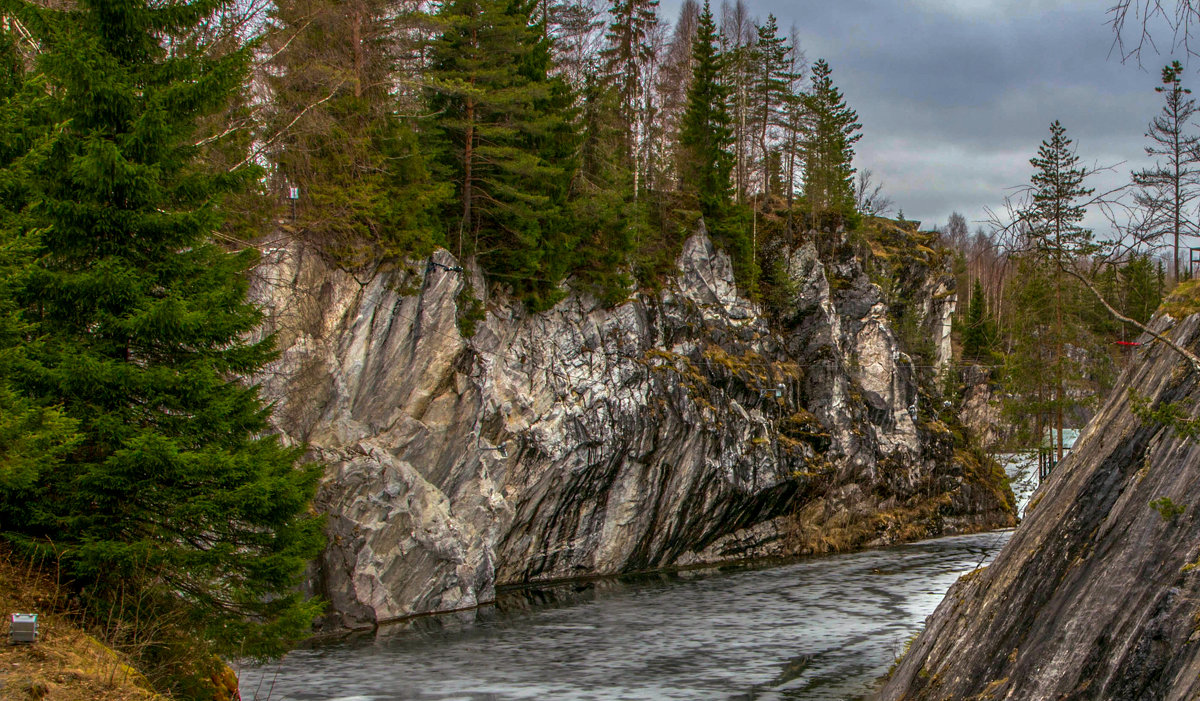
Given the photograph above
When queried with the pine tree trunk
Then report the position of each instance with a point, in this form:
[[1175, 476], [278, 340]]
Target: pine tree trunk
[[1058, 354], [468, 165], [762, 145]]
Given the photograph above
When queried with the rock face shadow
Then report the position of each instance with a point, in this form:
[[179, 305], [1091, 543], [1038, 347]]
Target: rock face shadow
[[677, 429]]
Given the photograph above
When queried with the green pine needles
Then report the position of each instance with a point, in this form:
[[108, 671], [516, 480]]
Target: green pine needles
[[126, 333], [505, 138], [828, 147], [706, 134]]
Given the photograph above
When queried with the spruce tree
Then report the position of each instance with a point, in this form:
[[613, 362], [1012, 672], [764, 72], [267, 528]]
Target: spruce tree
[[736, 42], [366, 194], [505, 137], [136, 327], [771, 90], [1057, 186], [1029, 359], [979, 330], [675, 78], [604, 212], [1054, 226], [1165, 192], [33, 437], [705, 134], [793, 123], [624, 58], [705, 160], [828, 150], [1142, 288]]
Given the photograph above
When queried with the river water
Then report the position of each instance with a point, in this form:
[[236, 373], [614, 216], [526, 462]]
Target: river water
[[816, 628]]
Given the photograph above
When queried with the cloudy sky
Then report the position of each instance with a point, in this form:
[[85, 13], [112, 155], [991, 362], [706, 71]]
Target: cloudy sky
[[956, 95]]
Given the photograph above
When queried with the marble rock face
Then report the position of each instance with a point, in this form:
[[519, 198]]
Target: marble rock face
[[1097, 594], [587, 440]]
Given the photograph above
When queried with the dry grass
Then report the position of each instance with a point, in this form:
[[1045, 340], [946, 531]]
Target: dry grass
[[1184, 300], [66, 664], [819, 530]]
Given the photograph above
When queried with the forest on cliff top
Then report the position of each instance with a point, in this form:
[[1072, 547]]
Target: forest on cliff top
[[149, 149]]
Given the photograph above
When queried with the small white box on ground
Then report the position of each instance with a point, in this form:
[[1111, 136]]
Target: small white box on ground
[[23, 628]]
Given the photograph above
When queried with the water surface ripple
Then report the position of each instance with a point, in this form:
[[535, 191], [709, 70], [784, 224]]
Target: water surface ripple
[[818, 628]]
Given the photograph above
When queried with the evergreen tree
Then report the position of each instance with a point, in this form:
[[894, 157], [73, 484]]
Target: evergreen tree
[[828, 150], [736, 45], [1057, 237], [1057, 186], [1143, 288], [33, 438], [625, 56], [505, 138], [979, 331], [173, 494], [675, 79], [604, 213], [793, 122], [705, 160], [1029, 362], [1166, 191], [771, 90], [705, 136], [366, 194]]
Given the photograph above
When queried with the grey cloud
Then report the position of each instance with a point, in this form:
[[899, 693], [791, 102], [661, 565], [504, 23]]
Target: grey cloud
[[956, 95]]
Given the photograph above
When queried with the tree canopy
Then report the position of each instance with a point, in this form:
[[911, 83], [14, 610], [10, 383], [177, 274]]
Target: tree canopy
[[131, 330]]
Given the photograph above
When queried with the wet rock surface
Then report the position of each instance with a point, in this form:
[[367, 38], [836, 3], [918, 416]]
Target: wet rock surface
[[675, 429], [1096, 596]]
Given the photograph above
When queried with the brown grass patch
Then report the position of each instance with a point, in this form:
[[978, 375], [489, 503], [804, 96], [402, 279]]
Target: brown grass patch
[[66, 664]]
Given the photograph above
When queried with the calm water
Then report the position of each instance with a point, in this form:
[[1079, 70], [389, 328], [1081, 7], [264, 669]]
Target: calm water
[[819, 628]]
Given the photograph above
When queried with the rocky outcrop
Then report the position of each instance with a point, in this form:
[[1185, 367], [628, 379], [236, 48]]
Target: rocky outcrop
[[1097, 594], [674, 429], [979, 410]]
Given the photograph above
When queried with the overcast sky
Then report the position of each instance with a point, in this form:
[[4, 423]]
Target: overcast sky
[[956, 95]]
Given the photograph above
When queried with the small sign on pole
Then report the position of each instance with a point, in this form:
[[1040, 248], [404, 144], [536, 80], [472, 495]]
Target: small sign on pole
[[293, 195]]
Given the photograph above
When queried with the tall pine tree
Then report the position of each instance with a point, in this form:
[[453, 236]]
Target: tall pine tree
[[1057, 236], [1056, 214], [505, 138], [174, 495], [33, 437], [366, 194], [706, 134], [604, 212], [771, 91], [705, 160], [674, 80], [828, 150], [625, 56], [1165, 192]]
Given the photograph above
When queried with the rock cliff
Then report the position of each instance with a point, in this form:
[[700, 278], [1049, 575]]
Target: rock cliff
[[1097, 594], [674, 429]]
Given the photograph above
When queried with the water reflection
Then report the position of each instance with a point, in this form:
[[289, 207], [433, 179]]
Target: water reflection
[[820, 628]]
